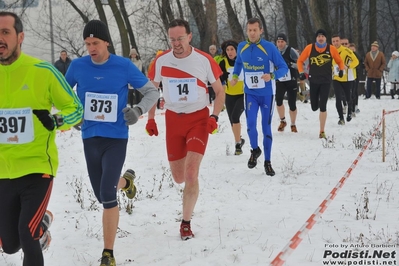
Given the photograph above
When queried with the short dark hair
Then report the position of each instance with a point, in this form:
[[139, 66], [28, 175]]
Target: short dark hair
[[255, 20], [335, 36], [180, 23], [17, 21], [352, 44]]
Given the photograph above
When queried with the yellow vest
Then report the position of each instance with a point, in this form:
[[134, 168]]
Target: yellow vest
[[236, 89]]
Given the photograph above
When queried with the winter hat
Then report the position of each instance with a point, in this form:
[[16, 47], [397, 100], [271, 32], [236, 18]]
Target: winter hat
[[97, 29], [229, 43], [375, 44], [321, 32], [395, 53], [133, 51], [282, 36]]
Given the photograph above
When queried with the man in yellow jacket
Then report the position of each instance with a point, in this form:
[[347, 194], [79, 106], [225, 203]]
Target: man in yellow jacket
[[344, 85], [29, 88]]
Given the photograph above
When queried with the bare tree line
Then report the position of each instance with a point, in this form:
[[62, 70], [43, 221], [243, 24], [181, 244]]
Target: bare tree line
[[142, 24]]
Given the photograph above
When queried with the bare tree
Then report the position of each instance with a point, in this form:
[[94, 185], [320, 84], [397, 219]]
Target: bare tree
[[372, 20], [306, 19], [248, 10], [203, 20], [235, 26], [290, 8], [320, 12]]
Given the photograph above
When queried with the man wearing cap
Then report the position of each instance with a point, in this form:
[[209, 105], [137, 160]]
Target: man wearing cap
[[374, 63], [343, 85], [320, 56], [102, 85], [288, 83], [393, 75]]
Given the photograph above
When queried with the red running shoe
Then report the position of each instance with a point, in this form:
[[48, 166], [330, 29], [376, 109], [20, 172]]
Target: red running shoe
[[185, 231]]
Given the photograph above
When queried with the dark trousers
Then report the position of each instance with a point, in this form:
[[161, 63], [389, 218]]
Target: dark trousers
[[377, 87], [23, 202], [339, 89]]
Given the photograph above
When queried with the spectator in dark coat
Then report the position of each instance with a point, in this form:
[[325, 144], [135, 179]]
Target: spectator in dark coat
[[63, 63]]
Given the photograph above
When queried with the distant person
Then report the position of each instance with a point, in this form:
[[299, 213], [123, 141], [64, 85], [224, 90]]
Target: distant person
[[374, 63], [234, 94], [63, 63], [343, 85], [393, 75], [213, 51], [102, 82], [320, 55], [287, 84], [261, 64], [28, 151], [355, 91]]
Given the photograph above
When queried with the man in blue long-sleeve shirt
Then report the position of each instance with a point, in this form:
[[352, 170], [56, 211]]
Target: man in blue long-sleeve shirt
[[261, 63]]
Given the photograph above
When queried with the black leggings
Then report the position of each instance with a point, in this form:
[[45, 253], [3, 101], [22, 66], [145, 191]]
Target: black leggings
[[341, 88], [234, 107], [105, 158], [24, 201], [291, 88], [319, 96]]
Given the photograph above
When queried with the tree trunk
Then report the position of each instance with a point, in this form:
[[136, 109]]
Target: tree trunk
[[200, 18], [248, 10], [212, 25], [320, 13], [307, 25], [290, 8], [121, 26], [235, 26], [128, 25], [372, 21], [262, 18]]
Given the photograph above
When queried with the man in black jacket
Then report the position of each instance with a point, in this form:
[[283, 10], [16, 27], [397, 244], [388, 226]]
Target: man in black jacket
[[63, 63]]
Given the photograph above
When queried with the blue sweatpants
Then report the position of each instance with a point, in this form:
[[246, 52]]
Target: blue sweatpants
[[254, 103]]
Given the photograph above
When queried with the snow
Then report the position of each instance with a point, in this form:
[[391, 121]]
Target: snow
[[242, 216]]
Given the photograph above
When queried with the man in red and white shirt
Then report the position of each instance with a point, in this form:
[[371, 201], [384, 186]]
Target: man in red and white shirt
[[185, 72]]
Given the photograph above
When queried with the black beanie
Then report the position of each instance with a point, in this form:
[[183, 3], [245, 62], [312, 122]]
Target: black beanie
[[282, 36], [321, 32], [97, 29]]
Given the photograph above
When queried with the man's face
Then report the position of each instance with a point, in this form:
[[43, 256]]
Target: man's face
[[281, 44], [97, 49], [180, 41], [345, 42], [254, 31], [10, 41], [212, 50], [63, 56], [374, 48], [321, 39], [336, 41]]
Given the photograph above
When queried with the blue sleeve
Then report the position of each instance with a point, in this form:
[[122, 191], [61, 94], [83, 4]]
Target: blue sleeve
[[238, 63], [135, 77], [69, 76]]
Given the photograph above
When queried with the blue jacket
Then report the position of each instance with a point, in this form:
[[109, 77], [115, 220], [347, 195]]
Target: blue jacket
[[393, 75], [262, 56]]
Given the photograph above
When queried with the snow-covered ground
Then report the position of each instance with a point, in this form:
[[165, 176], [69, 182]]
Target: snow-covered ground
[[242, 217]]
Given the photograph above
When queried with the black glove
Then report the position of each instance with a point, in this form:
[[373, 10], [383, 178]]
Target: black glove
[[46, 118], [302, 76], [341, 73], [131, 115], [225, 76]]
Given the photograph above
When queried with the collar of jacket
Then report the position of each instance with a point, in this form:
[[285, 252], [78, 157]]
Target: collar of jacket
[[257, 42]]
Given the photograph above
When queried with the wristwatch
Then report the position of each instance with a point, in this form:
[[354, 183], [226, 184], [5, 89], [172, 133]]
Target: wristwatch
[[59, 121], [215, 116]]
